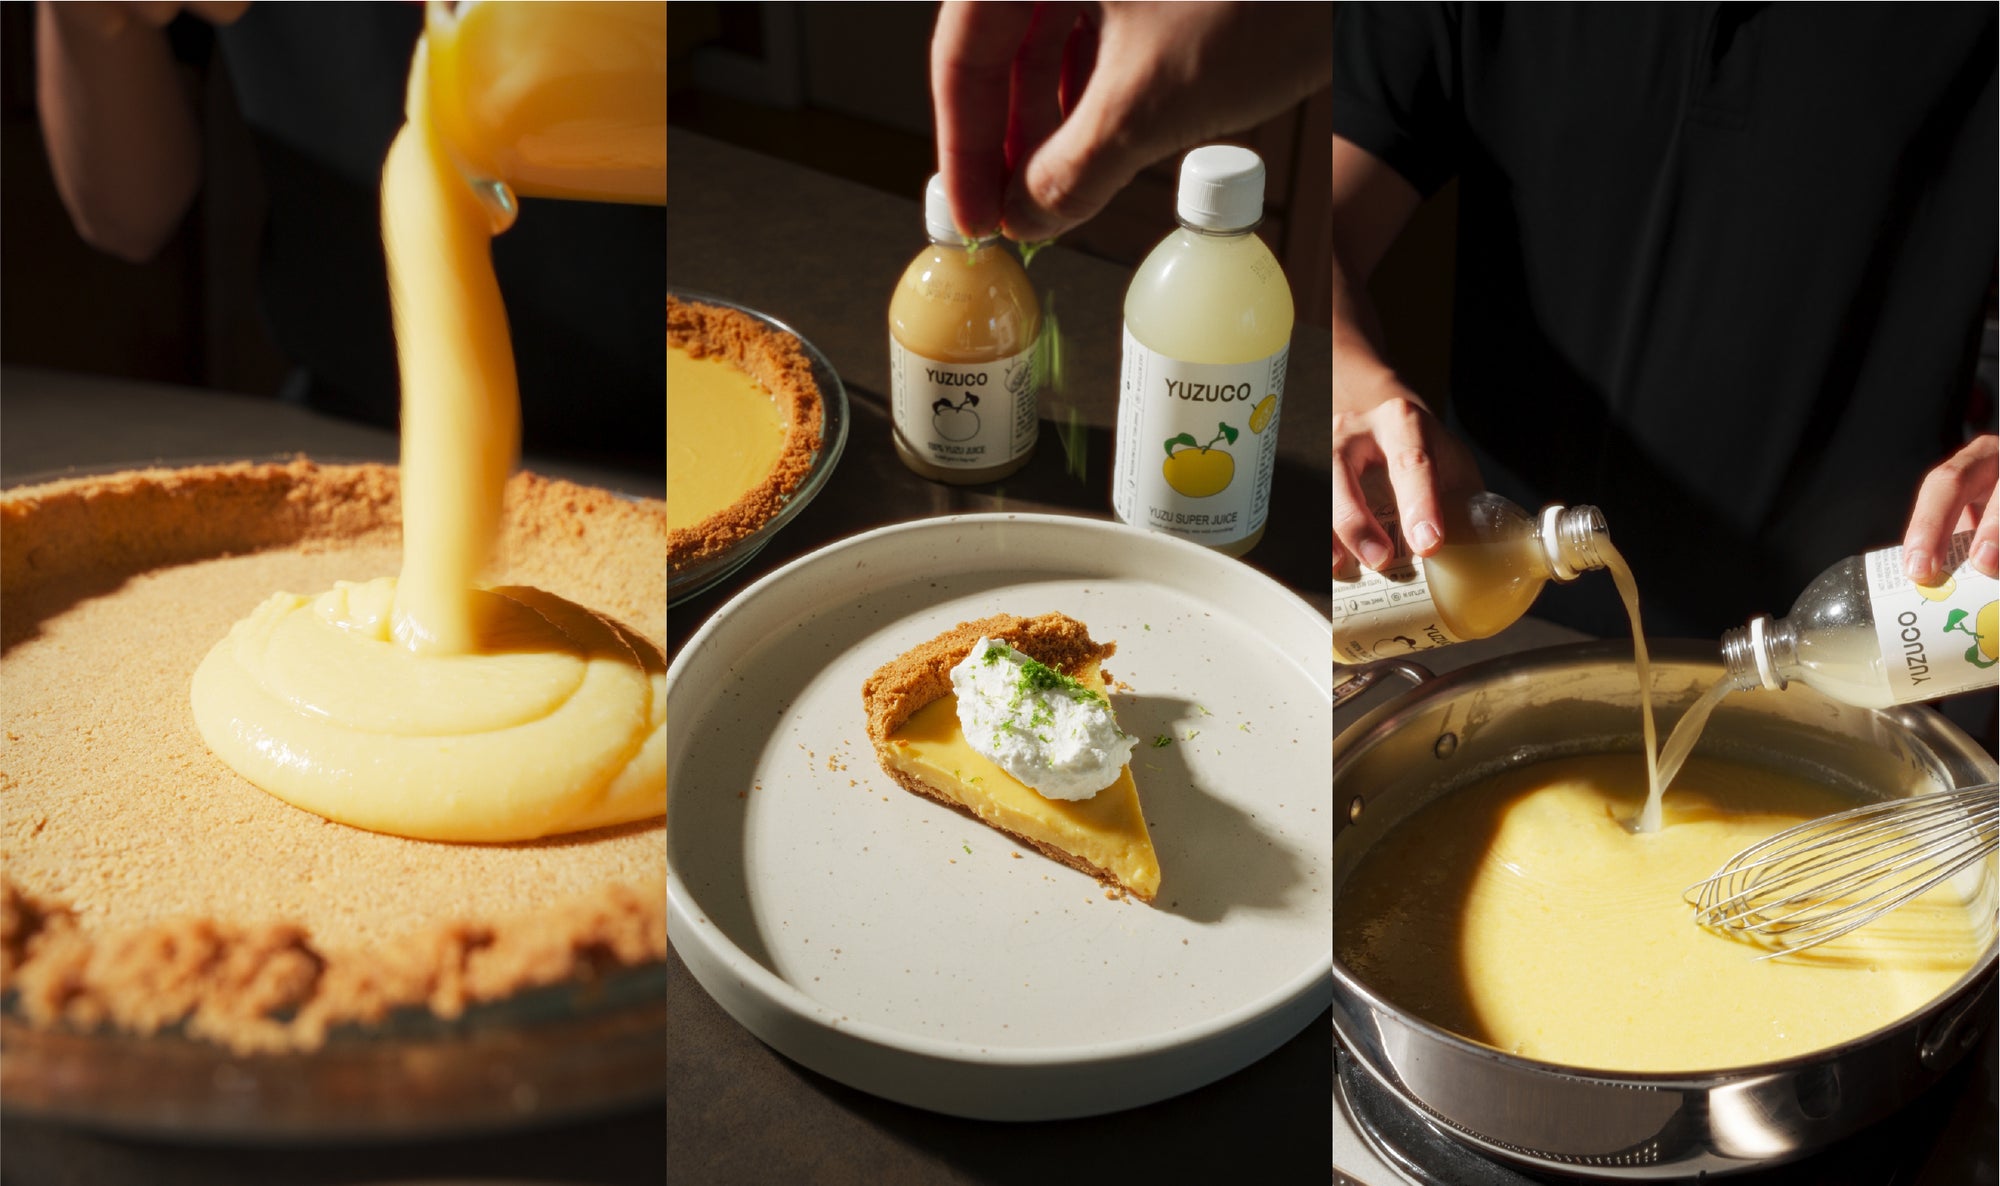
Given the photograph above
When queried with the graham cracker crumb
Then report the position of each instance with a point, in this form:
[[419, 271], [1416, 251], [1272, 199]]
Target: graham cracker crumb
[[147, 885]]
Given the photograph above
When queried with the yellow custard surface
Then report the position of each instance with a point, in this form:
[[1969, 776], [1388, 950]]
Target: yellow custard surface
[[1523, 912], [554, 722], [725, 434]]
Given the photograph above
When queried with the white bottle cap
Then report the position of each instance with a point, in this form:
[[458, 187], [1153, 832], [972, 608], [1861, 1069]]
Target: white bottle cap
[[1222, 188], [937, 212]]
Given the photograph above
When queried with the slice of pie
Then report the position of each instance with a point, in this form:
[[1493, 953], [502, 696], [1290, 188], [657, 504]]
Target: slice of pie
[[743, 427], [914, 727]]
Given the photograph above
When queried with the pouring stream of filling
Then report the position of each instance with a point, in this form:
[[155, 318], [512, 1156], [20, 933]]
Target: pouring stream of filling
[[426, 706]]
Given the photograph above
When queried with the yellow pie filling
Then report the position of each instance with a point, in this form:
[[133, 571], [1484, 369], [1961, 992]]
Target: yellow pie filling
[[725, 434], [554, 722]]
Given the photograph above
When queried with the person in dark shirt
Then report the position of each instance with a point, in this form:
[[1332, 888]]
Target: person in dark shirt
[[321, 87], [1722, 271]]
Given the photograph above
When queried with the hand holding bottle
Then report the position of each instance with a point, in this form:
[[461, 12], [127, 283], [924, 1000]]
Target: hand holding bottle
[[1959, 495], [1379, 424], [1399, 436], [1044, 111]]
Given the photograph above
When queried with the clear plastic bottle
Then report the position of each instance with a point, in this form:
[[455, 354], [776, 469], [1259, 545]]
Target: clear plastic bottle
[[1494, 563], [1208, 330], [963, 323], [1864, 634]]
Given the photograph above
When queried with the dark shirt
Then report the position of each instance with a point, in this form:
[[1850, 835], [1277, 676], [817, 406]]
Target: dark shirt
[[1721, 268], [321, 87]]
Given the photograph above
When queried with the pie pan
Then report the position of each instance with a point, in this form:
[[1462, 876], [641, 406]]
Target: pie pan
[[544, 1056], [1457, 729], [703, 575], [903, 949]]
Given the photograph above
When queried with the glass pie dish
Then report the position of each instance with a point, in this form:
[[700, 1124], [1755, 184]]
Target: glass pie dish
[[705, 574]]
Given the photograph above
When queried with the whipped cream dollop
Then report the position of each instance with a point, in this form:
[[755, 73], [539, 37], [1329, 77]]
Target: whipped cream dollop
[[1038, 724]]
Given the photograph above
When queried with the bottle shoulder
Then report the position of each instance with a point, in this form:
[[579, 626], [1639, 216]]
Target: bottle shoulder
[[991, 264], [1837, 597], [1210, 298], [959, 306]]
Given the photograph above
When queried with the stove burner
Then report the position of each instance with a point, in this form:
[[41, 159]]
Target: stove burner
[[1909, 1147]]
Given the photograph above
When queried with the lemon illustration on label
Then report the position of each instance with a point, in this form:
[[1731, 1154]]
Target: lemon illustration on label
[[1197, 470], [1985, 632], [1260, 416], [1938, 592]]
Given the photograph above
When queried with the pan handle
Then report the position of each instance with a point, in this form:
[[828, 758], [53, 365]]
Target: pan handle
[[1364, 676]]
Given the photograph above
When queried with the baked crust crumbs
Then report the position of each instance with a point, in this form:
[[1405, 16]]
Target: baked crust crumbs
[[144, 885], [776, 361]]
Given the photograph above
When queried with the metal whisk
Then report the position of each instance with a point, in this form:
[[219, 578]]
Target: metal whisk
[[1821, 879]]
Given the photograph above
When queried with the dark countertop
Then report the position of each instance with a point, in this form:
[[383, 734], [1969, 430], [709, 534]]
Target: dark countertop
[[823, 255], [59, 422]]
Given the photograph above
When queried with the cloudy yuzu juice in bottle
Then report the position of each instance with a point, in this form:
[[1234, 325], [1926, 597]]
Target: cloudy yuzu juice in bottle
[[963, 324], [1208, 329]]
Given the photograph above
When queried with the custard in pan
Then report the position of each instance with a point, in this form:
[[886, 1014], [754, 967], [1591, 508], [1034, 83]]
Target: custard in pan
[[1523, 912]]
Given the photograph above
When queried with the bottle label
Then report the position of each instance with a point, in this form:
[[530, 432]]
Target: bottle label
[[1381, 615], [1936, 640], [959, 415], [1197, 444]]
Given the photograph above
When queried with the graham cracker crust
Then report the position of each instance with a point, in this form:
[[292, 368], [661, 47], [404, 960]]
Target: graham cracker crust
[[144, 885]]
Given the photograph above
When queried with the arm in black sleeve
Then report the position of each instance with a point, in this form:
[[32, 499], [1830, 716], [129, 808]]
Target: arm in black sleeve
[[1396, 90]]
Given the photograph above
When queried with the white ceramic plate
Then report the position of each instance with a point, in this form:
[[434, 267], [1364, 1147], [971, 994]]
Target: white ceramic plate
[[901, 948]]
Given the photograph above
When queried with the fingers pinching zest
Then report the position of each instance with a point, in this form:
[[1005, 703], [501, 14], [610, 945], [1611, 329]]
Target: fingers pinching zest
[[973, 48]]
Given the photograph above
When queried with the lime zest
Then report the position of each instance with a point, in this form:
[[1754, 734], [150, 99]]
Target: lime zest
[[1040, 677]]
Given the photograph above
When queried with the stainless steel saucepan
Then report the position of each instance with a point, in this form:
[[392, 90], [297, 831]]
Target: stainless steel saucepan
[[1457, 729]]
